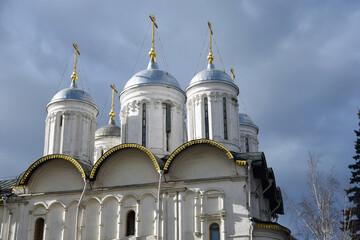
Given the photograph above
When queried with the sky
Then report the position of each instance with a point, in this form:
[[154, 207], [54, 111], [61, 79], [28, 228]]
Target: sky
[[296, 64]]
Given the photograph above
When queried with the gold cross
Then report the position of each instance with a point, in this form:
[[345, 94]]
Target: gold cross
[[152, 52], [74, 76], [232, 73], [76, 48], [211, 33], [210, 56], [112, 113]]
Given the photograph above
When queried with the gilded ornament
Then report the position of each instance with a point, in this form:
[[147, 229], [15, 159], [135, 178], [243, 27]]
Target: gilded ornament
[[194, 142], [120, 147]]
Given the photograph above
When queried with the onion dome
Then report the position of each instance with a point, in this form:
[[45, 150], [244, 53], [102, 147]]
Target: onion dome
[[72, 94], [212, 75], [244, 119], [110, 130], [153, 76]]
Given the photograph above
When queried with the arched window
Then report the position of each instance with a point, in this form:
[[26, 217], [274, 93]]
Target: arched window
[[130, 223], [225, 119], [143, 141], [214, 231], [206, 112], [39, 229]]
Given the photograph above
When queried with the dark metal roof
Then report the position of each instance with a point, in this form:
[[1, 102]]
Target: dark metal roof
[[5, 186]]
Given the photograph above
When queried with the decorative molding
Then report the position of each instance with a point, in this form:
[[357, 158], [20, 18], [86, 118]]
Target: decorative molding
[[241, 162], [195, 142], [120, 147], [30, 170], [272, 226]]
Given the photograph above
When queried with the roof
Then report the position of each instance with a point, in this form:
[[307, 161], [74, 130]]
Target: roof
[[73, 94], [269, 225], [192, 143], [153, 76], [5, 186], [244, 119], [212, 75], [109, 130], [261, 171], [158, 164], [83, 168]]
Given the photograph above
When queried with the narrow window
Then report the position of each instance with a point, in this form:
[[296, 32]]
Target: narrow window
[[225, 119], [206, 118], [247, 149], [130, 223], [168, 124], [39, 229], [214, 231], [61, 120], [144, 125]]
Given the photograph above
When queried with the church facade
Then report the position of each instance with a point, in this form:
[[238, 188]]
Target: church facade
[[182, 165]]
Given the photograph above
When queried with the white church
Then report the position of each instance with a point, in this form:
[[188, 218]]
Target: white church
[[182, 165]]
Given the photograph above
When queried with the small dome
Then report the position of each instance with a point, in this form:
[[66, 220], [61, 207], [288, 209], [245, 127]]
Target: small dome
[[244, 119], [73, 94], [212, 75], [110, 130], [153, 76]]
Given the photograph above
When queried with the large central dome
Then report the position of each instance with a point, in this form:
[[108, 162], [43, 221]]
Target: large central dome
[[153, 76]]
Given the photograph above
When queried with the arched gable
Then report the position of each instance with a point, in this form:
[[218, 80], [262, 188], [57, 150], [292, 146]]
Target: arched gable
[[26, 176], [196, 142], [200, 159], [124, 146]]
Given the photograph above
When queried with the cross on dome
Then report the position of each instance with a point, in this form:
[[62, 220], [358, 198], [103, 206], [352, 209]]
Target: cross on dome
[[112, 113], [210, 56], [152, 52], [232, 73], [74, 76]]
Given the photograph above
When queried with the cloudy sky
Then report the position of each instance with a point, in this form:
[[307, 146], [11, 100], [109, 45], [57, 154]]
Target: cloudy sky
[[296, 64]]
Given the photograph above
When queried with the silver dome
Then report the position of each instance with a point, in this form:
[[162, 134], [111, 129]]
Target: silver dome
[[244, 119], [153, 76], [212, 75], [110, 130], [73, 94]]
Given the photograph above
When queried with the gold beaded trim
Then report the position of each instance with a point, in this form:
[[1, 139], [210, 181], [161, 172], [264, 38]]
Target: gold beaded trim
[[241, 162], [119, 147], [194, 142], [30, 170], [272, 226]]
